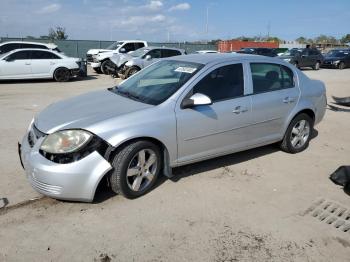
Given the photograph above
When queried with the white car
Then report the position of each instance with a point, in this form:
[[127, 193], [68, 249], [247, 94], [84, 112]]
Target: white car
[[38, 63], [99, 58], [12, 45], [207, 52]]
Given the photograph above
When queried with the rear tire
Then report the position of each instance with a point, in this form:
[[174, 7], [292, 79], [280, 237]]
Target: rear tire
[[61, 74], [136, 169], [298, 134], [341, 65], [97, 70]]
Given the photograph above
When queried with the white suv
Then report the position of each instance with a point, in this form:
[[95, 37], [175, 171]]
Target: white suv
[[38, 63], [12, 45], [99, 58]]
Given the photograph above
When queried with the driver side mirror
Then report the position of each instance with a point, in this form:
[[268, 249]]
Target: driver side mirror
[[148, 57], [122, 50], [197, 99]]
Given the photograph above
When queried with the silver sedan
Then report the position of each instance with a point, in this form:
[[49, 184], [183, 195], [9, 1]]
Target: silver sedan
[[174, 112]]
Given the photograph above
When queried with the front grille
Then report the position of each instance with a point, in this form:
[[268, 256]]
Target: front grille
[[89, 58], [33, 135]]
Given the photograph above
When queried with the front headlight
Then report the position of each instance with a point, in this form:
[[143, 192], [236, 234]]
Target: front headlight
[[65, 141], [336, 62]]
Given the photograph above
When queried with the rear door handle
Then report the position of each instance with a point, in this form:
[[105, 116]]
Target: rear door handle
[[239, 109], [288, 100]]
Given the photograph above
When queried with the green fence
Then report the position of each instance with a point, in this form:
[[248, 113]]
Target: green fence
[[78, 48]]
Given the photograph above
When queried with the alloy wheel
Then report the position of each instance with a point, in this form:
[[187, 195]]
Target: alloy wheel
[[300, 134]]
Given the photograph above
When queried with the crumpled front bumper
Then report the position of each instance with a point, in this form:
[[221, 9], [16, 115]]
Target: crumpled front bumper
[[75, 181]]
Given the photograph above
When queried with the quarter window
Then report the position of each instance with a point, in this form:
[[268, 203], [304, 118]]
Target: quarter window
[[222, 83], [271, 77], [170, 52]]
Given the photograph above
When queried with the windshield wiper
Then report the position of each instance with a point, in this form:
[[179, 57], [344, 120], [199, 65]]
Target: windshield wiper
[[129, 95]]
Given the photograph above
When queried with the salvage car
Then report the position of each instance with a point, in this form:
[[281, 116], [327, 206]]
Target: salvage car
[[38, 64], [177, 111], [303, 57], [12, 45], [100, 58], [145, 57], [337, 58]]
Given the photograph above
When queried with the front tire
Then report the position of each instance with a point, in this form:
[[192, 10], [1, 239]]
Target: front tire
[[298, 134], [341, 65], [317, 66], [104, 68], [136, 169], [131, 71], [61, 74]]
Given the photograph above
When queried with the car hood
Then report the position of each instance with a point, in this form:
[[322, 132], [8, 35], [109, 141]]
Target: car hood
[[85, 110], [332, 58], [119, 59], [97, 51]]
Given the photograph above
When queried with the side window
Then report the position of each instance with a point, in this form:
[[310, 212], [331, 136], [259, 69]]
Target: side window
[[43, 55], [169, 52], [223, 83], [155, 53], [129, 47], [270, 77], [9, 47], [139, 45], [20, 55]]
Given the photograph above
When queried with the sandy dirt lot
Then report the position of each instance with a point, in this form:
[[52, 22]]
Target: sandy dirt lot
[[256, 205]]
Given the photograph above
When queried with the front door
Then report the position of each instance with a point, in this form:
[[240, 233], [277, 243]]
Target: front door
[[16, 65], [43, 62], [205, 131]]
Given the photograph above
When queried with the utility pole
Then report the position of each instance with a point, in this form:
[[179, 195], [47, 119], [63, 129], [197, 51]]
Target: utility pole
[[268, 29], [207, 24]]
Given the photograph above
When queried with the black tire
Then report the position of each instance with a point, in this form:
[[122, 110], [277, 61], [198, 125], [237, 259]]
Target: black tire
[[97, 70], [317, 66], [341, 65], [119, 179], [61, 74], [104, 67], [286, 144], [131, 71]]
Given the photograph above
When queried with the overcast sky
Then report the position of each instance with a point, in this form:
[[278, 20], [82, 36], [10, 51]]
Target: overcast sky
[[155, 20]]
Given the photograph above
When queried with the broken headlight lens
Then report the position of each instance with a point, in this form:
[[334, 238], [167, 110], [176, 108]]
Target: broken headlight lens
[[66, 141]]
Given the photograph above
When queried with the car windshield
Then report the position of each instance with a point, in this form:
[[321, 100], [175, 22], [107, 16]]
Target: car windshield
[[291, 52], [156, 83], [139, 52], [114, 46], [337, 53], [2, 55]]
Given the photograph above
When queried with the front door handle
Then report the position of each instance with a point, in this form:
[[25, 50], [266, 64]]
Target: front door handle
[[288, 100], [239, 109]]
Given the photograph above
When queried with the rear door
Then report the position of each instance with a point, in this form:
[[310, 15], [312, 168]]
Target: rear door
[[210, 130], [43, 62], [17, 65], [275, 94]]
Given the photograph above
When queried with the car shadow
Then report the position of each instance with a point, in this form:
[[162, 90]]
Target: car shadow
[[104, 192], [34, 81]]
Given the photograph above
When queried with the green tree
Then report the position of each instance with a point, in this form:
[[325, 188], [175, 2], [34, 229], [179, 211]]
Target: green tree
[[345, 39], [301, 40], [58, 33]]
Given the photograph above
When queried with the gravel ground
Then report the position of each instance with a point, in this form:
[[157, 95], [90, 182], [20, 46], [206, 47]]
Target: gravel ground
[[248, 206]]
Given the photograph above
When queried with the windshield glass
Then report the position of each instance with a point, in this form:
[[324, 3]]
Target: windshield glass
[[2, 55], [292, 52], [156, 83], [139, 52], [337, 53], [114, 46]]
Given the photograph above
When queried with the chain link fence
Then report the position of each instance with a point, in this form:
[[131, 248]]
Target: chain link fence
[[78, 48]]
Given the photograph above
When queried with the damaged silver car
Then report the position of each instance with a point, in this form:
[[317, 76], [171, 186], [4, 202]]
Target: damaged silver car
[[176, 111]]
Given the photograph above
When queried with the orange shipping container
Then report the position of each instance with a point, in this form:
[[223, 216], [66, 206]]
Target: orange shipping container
[[235, 45]]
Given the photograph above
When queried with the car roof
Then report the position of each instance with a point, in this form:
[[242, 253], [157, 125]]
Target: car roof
[[162, 47], [222, 57], [33, 43]]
